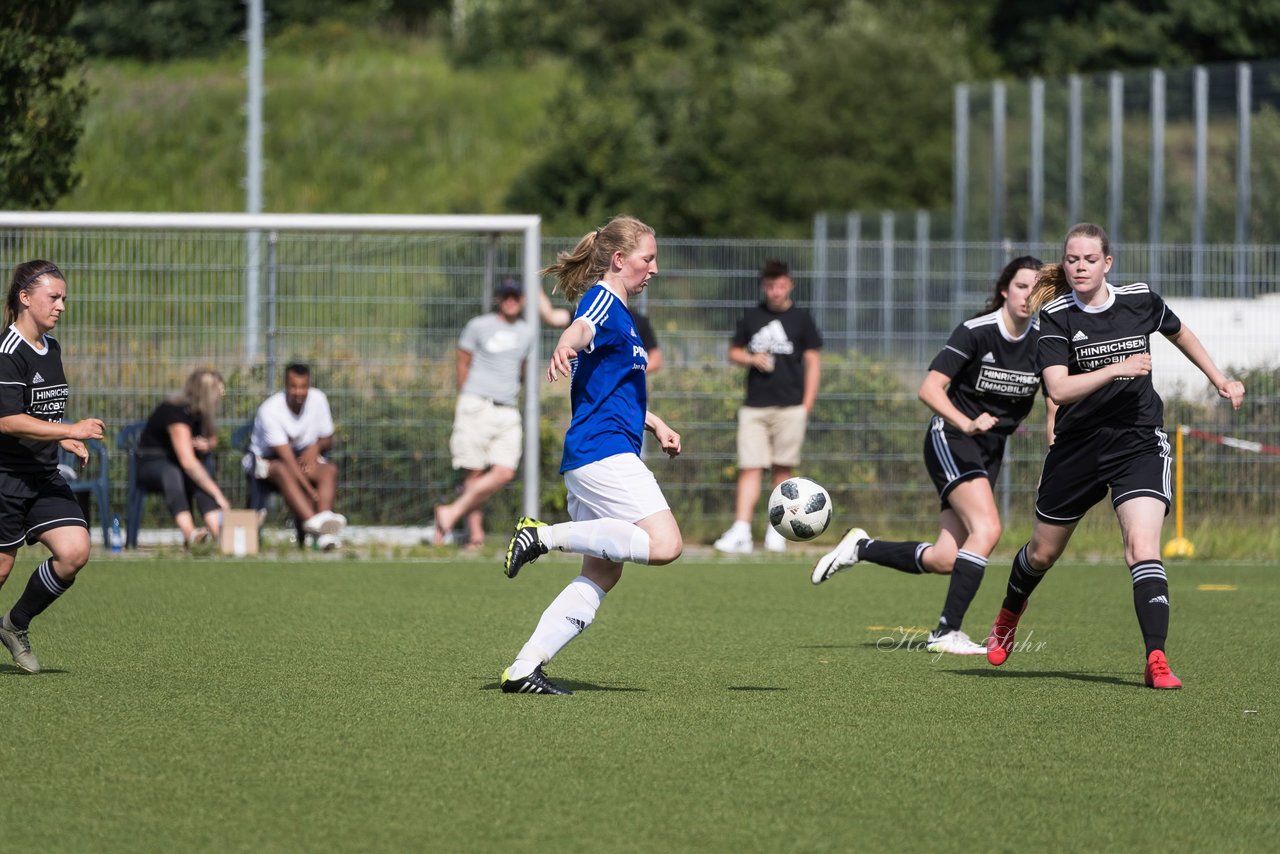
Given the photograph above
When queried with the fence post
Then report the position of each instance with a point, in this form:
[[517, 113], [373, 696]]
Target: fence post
[[1244, 102], [1115, 181], [1201, 96], [1157, 172], [886, 282], [853, 243], [1035, 176]]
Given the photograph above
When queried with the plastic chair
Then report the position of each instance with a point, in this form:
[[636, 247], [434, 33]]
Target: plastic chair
[[99, 485], [260, 491], [127, 442]]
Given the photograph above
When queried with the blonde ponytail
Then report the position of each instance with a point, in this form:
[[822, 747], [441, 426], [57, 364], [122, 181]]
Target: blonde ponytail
[[586, 263]]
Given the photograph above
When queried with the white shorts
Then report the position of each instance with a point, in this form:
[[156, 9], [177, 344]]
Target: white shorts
[[485, 434], [617, 487]]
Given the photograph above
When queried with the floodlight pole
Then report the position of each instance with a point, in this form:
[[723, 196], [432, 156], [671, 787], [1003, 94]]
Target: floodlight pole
[[253, 177]]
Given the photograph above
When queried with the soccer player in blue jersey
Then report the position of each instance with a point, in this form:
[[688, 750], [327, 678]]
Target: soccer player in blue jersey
[[1095, 357], [980, 386], [36, 505], [619, 512]]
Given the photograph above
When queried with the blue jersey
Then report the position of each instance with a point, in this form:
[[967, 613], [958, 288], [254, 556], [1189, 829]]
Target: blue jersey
[[607, 388]]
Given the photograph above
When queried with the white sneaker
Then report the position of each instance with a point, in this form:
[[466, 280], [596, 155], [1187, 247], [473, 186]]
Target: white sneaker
[[328, 543], [325, 522], [843, 556], [773, 541], [954, 643], [734, 542]]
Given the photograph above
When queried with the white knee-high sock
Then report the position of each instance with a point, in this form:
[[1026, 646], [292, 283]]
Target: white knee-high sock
[[566, 617], [609, 539]]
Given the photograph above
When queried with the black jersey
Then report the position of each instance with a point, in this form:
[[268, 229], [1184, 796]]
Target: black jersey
[[1085, 339], [787, 335], [31, 382], [991, 370]]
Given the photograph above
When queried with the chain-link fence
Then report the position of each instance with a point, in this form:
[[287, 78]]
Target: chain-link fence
[[377, 315]]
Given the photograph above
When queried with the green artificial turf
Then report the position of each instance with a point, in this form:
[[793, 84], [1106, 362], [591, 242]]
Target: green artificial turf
[[719, 706]]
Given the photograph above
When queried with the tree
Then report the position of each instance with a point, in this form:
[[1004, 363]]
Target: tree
[[845, 105], [1056, 37], [40, 103]]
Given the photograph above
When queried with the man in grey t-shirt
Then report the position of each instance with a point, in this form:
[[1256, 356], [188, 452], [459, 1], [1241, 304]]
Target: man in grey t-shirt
[[487, 433]]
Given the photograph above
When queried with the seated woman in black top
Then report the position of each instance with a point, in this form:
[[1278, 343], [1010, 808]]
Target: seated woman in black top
[[181, 431]]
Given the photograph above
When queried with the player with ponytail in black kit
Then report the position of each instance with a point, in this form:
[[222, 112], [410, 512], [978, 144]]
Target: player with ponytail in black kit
[[36, 505], [1095, 357]]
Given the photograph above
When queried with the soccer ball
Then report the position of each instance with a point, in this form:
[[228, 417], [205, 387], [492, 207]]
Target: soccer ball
[[799, 509]]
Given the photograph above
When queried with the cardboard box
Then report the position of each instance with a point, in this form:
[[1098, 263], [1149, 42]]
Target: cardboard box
[[239, 532]]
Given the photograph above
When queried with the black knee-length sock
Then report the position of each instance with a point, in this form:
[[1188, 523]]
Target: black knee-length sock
[[1022, 580], [966, 576], [1151, 602], [902, 556], [42, 588]]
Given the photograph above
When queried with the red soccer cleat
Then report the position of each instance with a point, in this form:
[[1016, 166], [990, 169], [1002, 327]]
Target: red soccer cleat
[[1158, 674], [1000, 640]]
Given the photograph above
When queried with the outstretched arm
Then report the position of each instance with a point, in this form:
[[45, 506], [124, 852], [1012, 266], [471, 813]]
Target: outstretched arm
[[668, 439], [1186, 341], [573, 339]]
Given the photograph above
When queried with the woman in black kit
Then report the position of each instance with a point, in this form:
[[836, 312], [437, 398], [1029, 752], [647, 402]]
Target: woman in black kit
[[36, 505], [980, 386], [179, 432], [1095, 356]]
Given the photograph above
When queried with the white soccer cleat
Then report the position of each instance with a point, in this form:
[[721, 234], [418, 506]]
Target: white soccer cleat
[[954, 643], [773, 541], [325, 522], [843, 556], [734, 542]]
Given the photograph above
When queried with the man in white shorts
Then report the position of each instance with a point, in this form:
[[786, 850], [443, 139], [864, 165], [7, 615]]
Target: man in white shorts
[[488, 434], [292, 432], [778, 343]]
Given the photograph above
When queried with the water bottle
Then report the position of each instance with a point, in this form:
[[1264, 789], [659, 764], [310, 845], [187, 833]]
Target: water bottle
[[117, 539]]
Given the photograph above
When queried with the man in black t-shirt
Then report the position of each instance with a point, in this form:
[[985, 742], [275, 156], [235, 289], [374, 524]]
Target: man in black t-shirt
[[649, 340], [778, 343]]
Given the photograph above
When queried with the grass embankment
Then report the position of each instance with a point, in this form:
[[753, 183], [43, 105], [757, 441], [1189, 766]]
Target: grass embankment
[[355, 123]]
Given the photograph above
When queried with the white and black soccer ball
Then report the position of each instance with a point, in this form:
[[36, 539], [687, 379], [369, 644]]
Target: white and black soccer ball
[[799, 509]]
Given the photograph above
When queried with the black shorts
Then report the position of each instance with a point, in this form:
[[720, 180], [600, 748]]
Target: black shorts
[[1132, 461], [952, 457], [34, 502]]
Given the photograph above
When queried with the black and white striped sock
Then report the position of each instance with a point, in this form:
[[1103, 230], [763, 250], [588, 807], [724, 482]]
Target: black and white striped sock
[[43, 587], [1151, 602], [1022, 580], [966, 577]]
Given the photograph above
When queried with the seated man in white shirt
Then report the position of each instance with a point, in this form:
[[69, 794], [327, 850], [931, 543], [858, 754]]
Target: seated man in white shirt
[[292, 432]]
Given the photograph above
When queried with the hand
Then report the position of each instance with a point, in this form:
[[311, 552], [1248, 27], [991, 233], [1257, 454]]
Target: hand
[[981, 424], [90, 428], [559, 365], [78, 448], [1232, 390], [201, 444], [763, 362], [1137, 365], [668, 440]]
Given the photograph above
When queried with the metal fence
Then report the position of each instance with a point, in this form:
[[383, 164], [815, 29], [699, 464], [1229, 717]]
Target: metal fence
[[377, 313], [1160, 155]]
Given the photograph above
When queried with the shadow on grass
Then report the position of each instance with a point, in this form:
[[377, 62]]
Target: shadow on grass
[[572, 685], [14, 670], [1049, 674], [754, 688]]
